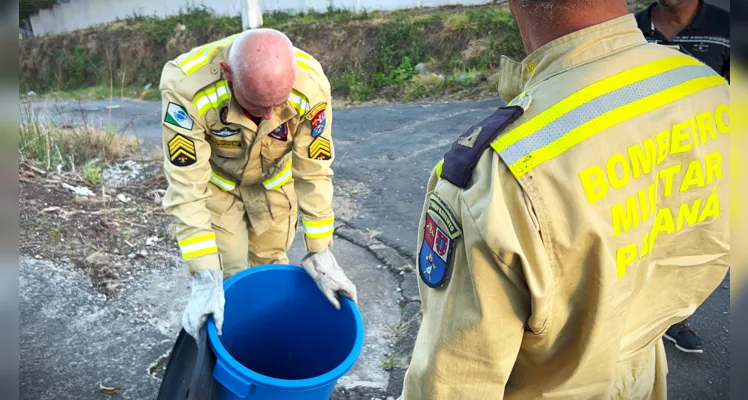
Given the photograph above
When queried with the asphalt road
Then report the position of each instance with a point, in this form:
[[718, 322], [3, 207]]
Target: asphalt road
[[72, 339], [388, 151]]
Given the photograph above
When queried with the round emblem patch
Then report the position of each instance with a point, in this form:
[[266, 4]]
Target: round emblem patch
[[280, 133]]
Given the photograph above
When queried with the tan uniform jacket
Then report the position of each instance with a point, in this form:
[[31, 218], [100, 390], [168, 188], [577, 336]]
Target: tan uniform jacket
[[208, 140], [564, 234]]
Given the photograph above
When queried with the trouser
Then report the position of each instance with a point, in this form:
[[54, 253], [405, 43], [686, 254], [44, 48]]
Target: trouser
[[239, 246], [644, 377]]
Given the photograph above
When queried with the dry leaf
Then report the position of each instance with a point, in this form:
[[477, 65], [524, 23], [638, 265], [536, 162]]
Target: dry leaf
[[108, 390]]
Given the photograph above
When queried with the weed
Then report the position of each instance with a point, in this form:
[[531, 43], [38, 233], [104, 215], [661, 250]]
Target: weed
[[92, 172], [388, 363], [423, 86], [55, 232], [51, 146], [467, 78], [400, 41], [461, 43]]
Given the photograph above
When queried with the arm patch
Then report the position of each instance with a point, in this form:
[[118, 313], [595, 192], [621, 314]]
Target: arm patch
[[460, 160]]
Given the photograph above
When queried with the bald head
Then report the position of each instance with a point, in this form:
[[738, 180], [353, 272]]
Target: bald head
[[262, 70]]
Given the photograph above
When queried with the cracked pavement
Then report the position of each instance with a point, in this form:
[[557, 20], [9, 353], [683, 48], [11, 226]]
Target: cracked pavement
[[383, 158]]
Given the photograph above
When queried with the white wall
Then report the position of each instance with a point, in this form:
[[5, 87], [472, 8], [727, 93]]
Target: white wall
[[79, 14]]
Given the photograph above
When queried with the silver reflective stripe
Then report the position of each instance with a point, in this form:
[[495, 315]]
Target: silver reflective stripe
[[599, 106]]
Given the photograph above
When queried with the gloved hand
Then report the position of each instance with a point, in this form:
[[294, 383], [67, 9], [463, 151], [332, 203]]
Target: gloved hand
[[329, 277], [207, 298]]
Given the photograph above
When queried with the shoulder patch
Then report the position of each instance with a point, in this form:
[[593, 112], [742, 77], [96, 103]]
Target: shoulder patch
[[182, 151], [318, 118], [462, 157], [178, 116], [439, 234]]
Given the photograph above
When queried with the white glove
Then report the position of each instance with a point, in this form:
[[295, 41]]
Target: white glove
[[207, 298], [329, 277]]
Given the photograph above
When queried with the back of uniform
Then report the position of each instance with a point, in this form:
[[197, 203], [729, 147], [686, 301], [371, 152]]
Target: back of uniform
[[565, 233]]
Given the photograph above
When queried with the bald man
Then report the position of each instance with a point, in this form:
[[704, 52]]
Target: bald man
[[247, 124]]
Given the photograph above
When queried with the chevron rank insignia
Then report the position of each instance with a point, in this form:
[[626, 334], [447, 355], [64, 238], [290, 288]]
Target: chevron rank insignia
[[182, 151], [320, 149]]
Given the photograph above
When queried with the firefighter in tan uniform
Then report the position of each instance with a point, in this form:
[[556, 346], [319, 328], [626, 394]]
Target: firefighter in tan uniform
[[247, 139], [561, 236]]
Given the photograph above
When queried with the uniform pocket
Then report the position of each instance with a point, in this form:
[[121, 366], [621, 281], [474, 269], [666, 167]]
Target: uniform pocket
[[226, 210], [282, 200], [227, 147], [272, 150]]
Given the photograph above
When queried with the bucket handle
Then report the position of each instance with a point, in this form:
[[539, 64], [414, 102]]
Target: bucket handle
[[230, 381]]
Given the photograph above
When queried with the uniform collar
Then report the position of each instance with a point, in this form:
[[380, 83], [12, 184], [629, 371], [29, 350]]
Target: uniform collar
[[568, 52], [236, 115]]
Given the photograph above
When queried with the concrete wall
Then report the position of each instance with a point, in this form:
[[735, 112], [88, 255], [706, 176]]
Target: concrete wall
[[79, 14]]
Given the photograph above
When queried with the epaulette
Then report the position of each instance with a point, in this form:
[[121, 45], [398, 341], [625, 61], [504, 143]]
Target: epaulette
[[200, 67], [311, 87], [461, 159]]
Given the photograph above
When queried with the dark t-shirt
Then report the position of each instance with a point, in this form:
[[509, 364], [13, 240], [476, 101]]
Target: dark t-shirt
[[707, 38]]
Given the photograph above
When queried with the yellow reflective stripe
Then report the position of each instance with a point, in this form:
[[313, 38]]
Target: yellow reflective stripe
[[319, 235], [299, 102], [198, 246], [553, 131], [280, 179], [438, 168], [589, 93], [212, 97], [196, 239], [322, 222], [224, 184], [303, 59], [611, 118], [202, 55], [198, 253], [319, 229]]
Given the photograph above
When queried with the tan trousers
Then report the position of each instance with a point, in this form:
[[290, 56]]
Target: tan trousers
[[643, 377], [238, 244]]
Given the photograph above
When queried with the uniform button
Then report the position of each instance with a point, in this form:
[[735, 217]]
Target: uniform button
[[524, 101], [213, 70]]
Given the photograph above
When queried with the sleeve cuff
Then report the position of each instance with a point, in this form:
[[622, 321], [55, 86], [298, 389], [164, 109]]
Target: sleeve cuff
[[208, 261], [315, 245]]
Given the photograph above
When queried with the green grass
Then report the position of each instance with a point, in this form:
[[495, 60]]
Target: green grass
[[403, 39], [85, 149], [461, 45]]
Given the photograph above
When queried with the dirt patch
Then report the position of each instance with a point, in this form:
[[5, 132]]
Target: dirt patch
[[344, 197], [113, 236]]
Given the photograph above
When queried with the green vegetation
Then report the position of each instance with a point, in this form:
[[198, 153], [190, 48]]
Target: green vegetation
[[85, 149], [365, 55]]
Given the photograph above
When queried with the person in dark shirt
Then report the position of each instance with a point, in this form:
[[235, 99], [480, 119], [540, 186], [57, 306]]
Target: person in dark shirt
[[694, 27], [702, 31]]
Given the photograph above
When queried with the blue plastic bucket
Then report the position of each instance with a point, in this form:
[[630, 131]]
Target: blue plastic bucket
[[281, 338]]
